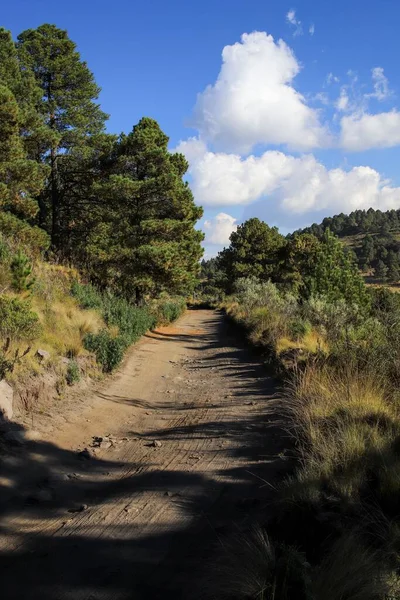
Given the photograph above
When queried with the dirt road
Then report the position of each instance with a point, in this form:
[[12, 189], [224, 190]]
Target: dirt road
[[187, 434]]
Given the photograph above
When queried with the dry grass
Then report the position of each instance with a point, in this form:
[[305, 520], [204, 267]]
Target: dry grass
[[64, 323], [345, 426]]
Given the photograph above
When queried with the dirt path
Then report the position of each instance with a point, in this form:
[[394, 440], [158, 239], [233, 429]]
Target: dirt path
[[189, 419]]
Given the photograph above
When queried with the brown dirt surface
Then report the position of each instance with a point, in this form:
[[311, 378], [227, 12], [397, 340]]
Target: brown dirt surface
[[190, 445]]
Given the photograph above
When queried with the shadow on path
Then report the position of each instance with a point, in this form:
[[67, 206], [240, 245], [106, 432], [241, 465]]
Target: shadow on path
[[114, 560]]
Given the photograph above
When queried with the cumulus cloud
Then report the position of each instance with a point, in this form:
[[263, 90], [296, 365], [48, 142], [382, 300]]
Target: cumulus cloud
[[288, 184], [365, 131], [311, 29], [254, 102], [219, 228]]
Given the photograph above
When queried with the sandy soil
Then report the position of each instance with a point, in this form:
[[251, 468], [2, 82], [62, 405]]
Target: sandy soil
[[190, 445]]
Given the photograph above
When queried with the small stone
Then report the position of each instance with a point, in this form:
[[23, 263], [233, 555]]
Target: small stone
[[105, 444], [42, 354], [156, 444], [169, 494]]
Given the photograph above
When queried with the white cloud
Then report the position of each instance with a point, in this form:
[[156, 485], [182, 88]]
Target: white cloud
[[294, 21], [311, 29], [322, 98], [253, 100], [361, 132], [219, 228], [342, 103], [286, 184], [331, 78], [381, 84]]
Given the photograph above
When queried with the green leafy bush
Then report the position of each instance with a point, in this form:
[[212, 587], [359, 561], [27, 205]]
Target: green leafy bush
[[17, 321], [35, 238], [73, 373], [131, 321], [109, 351], [298, 328], [87, 295], [168, 310]]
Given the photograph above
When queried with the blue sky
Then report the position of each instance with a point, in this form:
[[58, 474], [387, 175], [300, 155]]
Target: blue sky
[[287, 131]]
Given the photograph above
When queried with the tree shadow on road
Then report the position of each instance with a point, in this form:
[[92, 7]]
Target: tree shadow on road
[[42, 485]]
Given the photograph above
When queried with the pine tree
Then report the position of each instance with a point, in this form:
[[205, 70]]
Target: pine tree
[[334, 275], [393, 273], [21, 179], [381, 270], [21, 82], [146, 241], [67, 104], [253, 252]]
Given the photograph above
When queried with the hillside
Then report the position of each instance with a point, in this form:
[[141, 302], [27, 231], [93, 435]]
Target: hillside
[[373, 236]]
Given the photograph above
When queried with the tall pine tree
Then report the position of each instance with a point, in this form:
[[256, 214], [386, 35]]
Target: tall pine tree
[[146, 241], [67, 104]]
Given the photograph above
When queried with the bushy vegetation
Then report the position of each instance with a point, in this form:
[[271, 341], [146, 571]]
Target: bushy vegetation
[[73, 373], [126, 323], [335, 343]]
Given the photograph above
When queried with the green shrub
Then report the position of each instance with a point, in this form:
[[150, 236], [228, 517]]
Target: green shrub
[[21, 269], [87, 295], [131, 321], [73, 373], [168, 310], [17, 321], [298, 328], [109, 351], [35, 238]]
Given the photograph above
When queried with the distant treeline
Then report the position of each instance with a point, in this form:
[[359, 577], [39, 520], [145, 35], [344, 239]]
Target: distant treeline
[[373, 235]]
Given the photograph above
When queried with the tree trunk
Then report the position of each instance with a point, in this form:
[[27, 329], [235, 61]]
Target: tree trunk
[[55, 202]]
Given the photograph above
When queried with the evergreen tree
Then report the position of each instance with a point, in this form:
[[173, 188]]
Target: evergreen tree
[[146, 241], [393, 273], [381, 270], [335, 275], [253, 252], [21, 179], [67, 104], [299, 257], [367, 252]]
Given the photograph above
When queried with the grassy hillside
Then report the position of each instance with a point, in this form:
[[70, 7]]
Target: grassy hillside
[[373, 236], [56, 330]]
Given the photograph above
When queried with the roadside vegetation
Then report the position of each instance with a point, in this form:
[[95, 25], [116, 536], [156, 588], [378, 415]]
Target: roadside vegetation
[[334, 528], [97, 231]]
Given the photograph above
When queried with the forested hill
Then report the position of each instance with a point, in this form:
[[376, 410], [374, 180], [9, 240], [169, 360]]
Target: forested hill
[[373, 235]]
